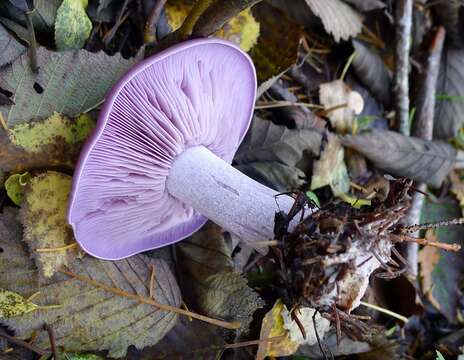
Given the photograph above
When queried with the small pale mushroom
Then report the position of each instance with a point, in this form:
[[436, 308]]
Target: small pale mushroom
[[158, 163]]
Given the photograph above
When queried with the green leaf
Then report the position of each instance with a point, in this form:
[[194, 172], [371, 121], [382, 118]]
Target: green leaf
[[54, 141], [45, 225], [67, 83], [81, 356], [89, 319], [439, 356], [313, 197], [15, 186], [13, 304], [72, 25], [10, 48]]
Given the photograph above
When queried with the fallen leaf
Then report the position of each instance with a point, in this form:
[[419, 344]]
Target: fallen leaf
[[72, 25], [54, 141], [277, 46], [372, 72], [45, 224], [457, 187], [242, 29], [89, 319], [428, 258], [266, 141], [307, 317], [187, 340], [208, 276], [13, 304], [338, 18], [270, 153], [399, 155], [367, 5], [66, 83], [10, 48], [43, 17], [273, 326], [15, 186], [337, 94], [228, 296], [449, 270], [330, 168], [449, 107], [273, 174]]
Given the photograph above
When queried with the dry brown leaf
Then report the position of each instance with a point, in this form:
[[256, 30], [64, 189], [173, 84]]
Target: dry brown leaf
[[428, 258], [457, 188], [338, 18], [341, 103]]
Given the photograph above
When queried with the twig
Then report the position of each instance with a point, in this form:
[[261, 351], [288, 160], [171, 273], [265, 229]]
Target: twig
[[144, 300], [122, 16], [253, 342], [149, 32], [403, 44], [51, 336], [62, 248], [425, 242], [385, 311], [413, 228], [32, 41], [152, 282], [283, 103], [24, 344], [423, 128]]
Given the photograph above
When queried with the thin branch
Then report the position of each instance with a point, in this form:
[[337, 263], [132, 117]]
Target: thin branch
[[385, 311], [423, 128], [149, 31], [144, 300], [51, 336], [403, 43], [24, 344]]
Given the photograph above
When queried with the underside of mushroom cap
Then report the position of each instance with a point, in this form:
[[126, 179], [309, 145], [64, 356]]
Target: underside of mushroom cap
[[199, 92]]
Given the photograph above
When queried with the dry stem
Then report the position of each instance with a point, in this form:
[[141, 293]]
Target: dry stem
[[144, 300]]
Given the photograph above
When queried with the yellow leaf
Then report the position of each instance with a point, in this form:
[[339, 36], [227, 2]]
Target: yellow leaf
[[45, 224], [242, 29], [72, 25], [273, 327], [15, 186], [13, 304]]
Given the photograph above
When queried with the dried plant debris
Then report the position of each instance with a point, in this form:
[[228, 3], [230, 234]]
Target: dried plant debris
[[85, 317], [328, 258], [421, 160]]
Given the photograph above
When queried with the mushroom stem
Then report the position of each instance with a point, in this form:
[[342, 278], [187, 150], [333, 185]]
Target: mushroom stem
[[223, 194]]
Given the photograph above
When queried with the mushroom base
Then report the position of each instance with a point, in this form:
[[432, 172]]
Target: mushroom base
[[214, 188]]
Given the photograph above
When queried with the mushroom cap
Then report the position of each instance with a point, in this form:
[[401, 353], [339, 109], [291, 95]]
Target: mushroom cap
[[199, 92]]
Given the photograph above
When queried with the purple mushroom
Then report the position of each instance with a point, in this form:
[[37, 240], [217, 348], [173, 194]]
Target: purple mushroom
[[158, 163]]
